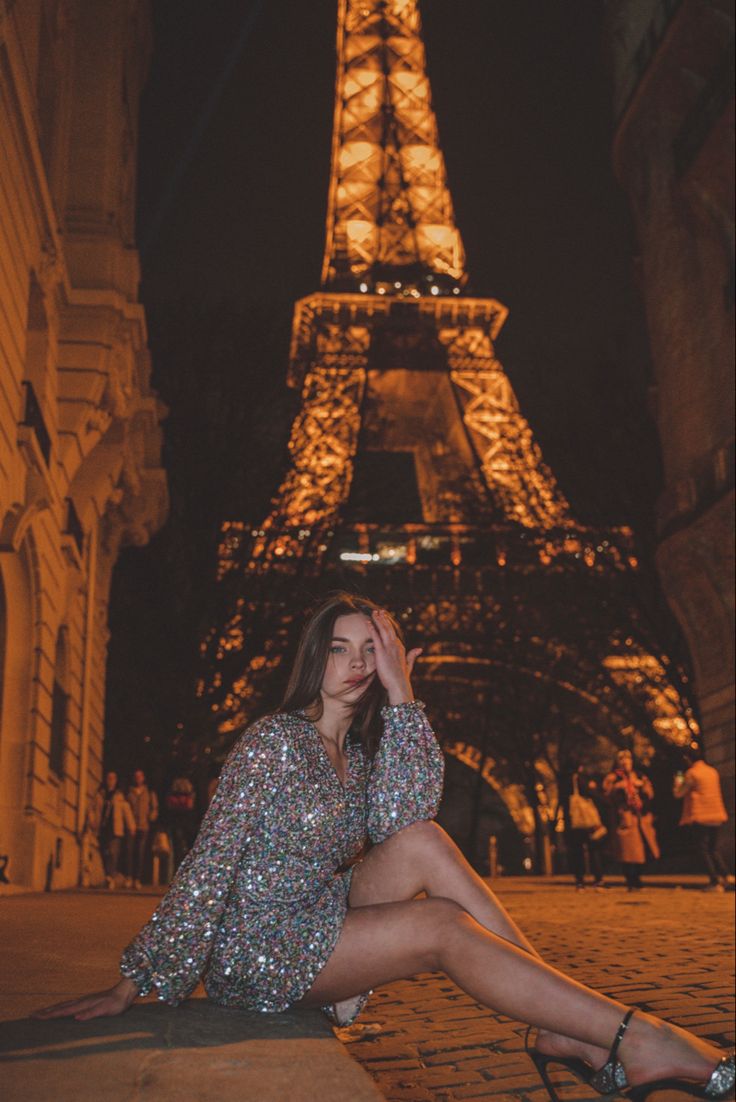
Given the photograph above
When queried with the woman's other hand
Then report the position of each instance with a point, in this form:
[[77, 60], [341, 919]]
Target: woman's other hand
[[393, 664], [102, 1004]]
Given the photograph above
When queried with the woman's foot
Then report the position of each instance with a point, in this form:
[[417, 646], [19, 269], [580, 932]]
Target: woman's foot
[[652, 1049], [555, 1044]]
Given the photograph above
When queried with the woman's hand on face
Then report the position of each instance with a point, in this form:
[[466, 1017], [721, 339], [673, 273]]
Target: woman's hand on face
[[102, 1004], [393, 664]]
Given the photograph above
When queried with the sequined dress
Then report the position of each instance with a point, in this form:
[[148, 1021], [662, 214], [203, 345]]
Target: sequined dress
[[258, 904]]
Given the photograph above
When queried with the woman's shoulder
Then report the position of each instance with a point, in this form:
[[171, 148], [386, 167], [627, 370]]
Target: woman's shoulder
[[277, 731]]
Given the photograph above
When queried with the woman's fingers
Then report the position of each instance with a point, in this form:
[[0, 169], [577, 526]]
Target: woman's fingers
[[412, 657], [383, 627], [386, 630], [61, 1010], [89, 1006]]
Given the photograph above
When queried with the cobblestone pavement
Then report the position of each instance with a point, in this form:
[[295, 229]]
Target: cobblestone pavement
[[666, 950]]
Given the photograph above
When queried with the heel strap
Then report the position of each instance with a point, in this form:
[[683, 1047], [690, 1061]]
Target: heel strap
[[527, 1035], [620, 1034]]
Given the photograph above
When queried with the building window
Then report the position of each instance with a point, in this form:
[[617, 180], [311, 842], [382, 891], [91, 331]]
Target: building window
[[59, 709]]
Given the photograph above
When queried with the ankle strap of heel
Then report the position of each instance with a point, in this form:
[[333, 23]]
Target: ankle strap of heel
[[620, 1034]]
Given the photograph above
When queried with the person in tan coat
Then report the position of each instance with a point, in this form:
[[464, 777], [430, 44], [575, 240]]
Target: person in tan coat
[[633, 839], [703, 810]]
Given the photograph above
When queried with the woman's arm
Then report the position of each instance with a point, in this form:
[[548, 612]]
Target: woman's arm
[[171, 951], [405, 782]]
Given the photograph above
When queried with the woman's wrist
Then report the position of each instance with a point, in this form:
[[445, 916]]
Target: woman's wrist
[[400, 694], [127, 989]]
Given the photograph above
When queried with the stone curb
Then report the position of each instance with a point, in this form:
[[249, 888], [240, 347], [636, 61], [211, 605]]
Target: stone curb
[[58, 945]]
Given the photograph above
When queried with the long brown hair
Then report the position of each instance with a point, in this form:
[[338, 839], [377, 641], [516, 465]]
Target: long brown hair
[[308, 671]]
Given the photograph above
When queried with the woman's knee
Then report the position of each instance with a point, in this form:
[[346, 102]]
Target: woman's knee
[[421, 836], [444, 921]]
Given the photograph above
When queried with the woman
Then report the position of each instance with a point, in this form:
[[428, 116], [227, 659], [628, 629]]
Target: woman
[[633, 839], [279, 905]]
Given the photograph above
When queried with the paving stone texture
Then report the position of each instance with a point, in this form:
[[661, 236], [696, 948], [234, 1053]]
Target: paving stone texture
[[667, 950]]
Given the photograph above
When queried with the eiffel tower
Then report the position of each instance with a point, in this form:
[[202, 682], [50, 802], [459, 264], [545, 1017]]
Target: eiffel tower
[[415, 479]]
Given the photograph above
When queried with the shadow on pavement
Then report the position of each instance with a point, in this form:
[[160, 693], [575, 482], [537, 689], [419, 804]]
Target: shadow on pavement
[[198, 1023]]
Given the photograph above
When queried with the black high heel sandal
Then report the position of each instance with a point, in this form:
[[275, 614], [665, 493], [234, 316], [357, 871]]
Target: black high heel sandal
[[611, 1077]]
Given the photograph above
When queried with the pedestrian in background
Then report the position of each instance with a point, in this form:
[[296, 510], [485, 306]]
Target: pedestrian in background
[[703, 810], [584, 829], [144, 805], [633, 840], [111, 819], [180, 801]]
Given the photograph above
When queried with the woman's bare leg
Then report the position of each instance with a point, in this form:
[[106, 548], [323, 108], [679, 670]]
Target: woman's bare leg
[[380, 943], [423, 857]]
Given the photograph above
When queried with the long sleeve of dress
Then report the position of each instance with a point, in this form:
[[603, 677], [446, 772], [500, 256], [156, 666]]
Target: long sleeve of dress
[[405, 783], [171, 951]]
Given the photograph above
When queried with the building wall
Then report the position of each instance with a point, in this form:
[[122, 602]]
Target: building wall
[[80, 474], [672, 66]]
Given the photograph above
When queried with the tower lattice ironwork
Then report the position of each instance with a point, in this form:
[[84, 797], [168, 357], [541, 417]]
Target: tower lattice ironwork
[[415, 478]]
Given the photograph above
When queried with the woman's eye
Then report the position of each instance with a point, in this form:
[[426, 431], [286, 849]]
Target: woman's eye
[[371, 649], [336, 649]]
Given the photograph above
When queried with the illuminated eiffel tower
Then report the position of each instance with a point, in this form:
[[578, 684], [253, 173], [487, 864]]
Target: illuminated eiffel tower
[[415, 479]]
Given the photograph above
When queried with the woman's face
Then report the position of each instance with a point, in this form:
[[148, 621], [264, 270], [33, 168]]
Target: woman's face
[[351, 659], [625, 761]]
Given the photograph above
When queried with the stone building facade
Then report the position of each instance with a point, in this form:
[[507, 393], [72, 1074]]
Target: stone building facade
[[673, 84], [80, 441]]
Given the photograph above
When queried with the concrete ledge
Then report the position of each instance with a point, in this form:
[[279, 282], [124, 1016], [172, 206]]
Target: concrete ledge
[[197, 1051], [58, 945]]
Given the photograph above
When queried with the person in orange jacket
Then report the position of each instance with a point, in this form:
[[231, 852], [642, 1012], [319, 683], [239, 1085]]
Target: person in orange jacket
[[703, 810]]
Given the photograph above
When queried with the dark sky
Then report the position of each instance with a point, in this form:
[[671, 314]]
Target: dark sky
[[234, 162]]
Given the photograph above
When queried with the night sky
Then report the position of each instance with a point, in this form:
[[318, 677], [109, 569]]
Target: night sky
[[234, 161]]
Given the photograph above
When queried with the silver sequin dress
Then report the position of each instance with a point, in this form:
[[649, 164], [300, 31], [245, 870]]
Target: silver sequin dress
[[258, 904]]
